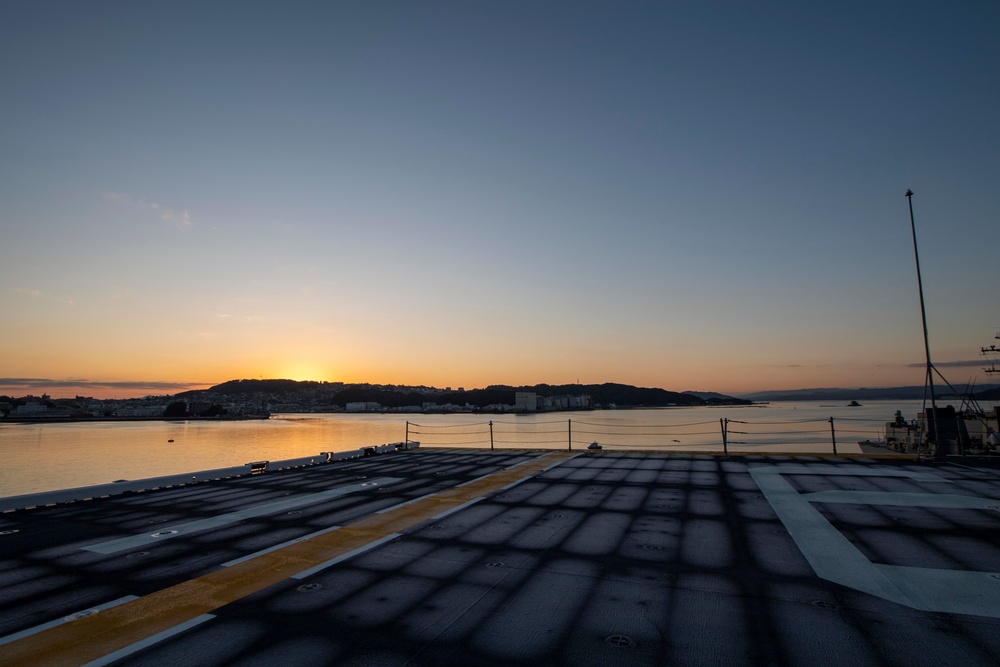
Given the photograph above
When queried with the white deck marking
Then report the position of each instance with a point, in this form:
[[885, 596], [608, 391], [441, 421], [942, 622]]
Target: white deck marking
[[456, 508], [149, 641], [342, 557], [499, 490], [560, 463], [834, 558], [66, 619], [308, 536], [941, 500], [832, 469], [408, 502], [169, 532]]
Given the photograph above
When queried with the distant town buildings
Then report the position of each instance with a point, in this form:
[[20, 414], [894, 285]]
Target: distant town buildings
[[525, 401], [31, 407], [362, 406], [246, 399], [529, 401]]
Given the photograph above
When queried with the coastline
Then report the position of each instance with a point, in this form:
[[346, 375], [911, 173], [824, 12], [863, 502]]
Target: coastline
[[87, 418]]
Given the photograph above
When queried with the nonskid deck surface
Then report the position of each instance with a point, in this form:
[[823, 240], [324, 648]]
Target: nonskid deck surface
[[457, 557]]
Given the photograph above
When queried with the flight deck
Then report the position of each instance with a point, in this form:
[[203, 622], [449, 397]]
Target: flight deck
[[459, 557]]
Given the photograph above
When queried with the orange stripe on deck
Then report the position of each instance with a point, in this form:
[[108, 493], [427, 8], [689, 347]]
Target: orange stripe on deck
[[92, 637]]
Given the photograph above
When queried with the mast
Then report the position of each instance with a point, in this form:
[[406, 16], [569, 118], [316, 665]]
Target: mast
[[940, 449], [991, 353]]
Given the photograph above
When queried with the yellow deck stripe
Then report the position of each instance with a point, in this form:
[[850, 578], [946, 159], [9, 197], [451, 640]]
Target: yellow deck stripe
[[92, 637]]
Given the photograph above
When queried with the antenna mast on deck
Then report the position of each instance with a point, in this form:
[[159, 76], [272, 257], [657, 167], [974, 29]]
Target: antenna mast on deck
[[992, 353], [940, 449]]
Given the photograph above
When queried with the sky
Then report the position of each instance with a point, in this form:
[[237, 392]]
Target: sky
[[697, 196]]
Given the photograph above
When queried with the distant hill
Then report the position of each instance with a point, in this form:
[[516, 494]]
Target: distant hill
[[621, 395], [988, 395], [264, 386], [859, 394], [715, 398]]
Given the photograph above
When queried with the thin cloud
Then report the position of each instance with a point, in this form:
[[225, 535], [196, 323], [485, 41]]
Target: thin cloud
[[118, 197], [179, 219], [224, 317], [969, 363], [45, 297]]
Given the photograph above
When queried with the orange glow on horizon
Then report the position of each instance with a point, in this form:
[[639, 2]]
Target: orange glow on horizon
[[167, 375]]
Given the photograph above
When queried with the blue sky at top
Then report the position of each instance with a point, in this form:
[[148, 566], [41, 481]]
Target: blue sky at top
[[688, 195]]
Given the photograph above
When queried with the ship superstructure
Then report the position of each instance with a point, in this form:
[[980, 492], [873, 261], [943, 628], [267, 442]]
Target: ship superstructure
[[969, 429]]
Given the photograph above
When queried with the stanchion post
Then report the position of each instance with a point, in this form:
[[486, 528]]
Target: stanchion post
[[491, 435], [407, 431], [569, 426], [724, 424], [833, 437]]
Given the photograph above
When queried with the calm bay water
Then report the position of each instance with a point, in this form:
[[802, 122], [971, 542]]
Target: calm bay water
[[45, 457]]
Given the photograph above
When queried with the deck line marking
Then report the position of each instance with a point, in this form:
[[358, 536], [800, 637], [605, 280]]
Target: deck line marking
[[457, 508], [940, 500], [94, 637], [561, 462], [513, 484], [149, 641], [510, 467], [834, 558], [342, 557], [65, 619], [843, 471], [404, 504], [308, 536], [952, 463], [178, 530]]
